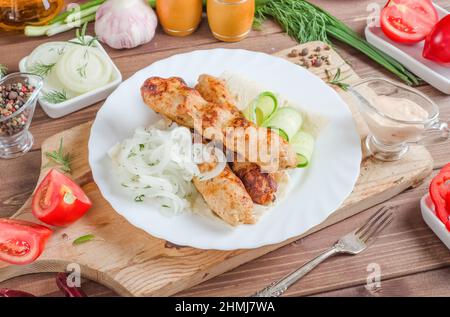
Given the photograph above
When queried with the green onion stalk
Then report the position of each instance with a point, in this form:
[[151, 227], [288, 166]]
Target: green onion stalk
[[306, 22], [67, 20]]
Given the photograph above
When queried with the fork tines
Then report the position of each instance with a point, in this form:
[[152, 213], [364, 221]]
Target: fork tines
[[375, 224]]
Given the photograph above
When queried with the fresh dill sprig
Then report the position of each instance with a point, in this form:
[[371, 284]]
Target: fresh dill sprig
[[61, 50], [81, 37], [41, 69], [3, 70], [61, 158], [82, 70], [307, 22], [337, 80], [298, 18], [55, 96]]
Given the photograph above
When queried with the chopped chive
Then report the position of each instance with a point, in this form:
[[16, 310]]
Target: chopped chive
[[83, 239], [139, 198]]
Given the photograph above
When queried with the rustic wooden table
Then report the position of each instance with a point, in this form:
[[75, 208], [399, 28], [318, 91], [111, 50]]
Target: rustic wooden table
[[413, 261]]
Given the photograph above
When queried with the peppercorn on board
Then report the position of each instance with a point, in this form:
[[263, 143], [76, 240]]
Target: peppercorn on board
[[133, 263]]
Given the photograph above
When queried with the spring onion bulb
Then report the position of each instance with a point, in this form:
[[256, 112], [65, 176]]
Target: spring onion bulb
[[158, 165], [75, 16]]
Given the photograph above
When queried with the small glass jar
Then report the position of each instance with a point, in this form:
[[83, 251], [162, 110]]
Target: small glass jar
[[179, 17], [16, 14], [230, 20], [15, 139], [397, 116]]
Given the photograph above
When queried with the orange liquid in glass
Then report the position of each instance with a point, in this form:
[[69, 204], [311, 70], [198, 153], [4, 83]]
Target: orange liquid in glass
[[16, 14], [179, 17], [230, 20]]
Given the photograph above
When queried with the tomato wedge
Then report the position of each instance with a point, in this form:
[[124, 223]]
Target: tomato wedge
[[21, 242], [437, 43], [59, 201], [408, 21]]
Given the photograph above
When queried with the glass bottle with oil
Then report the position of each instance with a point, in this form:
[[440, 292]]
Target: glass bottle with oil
[[16, 14]]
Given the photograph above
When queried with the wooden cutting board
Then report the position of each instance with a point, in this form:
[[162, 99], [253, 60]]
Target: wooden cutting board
[[133, 263]]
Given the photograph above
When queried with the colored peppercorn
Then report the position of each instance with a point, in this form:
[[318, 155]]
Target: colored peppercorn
[[12, 98]]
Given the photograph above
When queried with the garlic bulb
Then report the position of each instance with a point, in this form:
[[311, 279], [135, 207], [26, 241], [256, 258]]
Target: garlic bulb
[[125, 23]]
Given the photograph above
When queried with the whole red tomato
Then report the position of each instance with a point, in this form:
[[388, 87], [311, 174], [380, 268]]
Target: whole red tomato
[[21, 242], [437, 43], [59, 201]]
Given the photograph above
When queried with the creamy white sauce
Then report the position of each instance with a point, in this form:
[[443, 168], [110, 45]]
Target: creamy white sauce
[[389, 131]]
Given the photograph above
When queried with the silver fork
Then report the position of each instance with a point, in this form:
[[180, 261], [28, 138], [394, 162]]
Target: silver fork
[[352, 243]]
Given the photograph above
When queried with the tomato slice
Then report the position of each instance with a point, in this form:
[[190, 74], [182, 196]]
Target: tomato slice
[[21, 242], [439, 190], [446, 168], [59, 201], [437, 43], [447, 202], [408, 21]]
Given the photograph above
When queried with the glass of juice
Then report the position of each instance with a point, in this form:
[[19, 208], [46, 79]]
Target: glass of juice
[[179, 17], [230, 20]]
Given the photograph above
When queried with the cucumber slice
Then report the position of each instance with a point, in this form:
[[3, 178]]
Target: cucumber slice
[[262, 108], [303, 144], [285, 119], [249, 113], [281, 133]]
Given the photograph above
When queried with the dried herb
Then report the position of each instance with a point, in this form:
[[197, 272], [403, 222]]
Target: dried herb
[[55, 96], [81, 37], [61, 158], [139, 198], [41, 69], [337, 80], [82, 70]]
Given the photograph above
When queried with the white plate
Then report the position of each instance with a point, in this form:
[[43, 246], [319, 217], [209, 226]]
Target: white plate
[[315, 192], [429, 215], [81, 101], [411, 56]]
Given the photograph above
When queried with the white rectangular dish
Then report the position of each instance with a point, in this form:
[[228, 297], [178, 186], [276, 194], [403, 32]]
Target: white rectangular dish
[[411, 56], [83, 100], [428, 214]]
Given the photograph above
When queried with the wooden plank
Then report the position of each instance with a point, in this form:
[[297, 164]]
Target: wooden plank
[[406, 247], [430, 283]]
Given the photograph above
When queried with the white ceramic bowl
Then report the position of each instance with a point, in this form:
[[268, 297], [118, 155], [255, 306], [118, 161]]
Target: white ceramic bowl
[[432, 220], [81, 101], [411, 56]]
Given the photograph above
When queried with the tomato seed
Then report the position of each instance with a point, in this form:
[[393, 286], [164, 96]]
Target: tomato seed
[[15, 247]]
